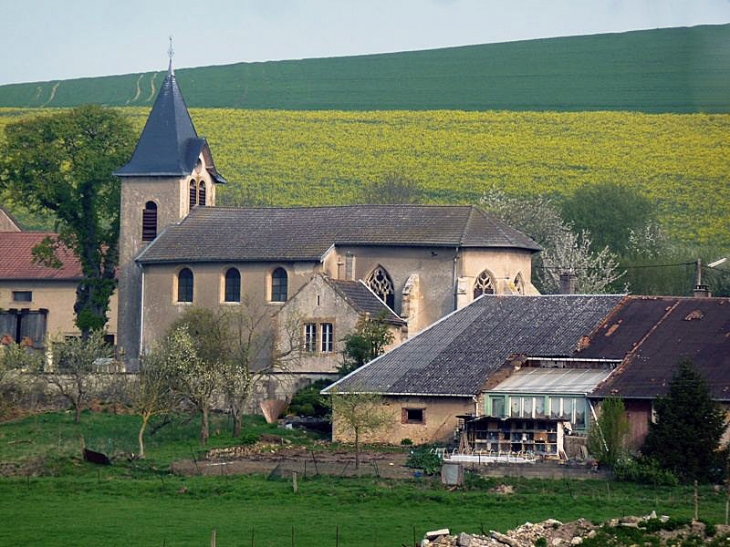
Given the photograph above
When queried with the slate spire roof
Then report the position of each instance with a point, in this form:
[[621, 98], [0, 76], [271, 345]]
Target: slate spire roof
[[308, 233], [169, 146]]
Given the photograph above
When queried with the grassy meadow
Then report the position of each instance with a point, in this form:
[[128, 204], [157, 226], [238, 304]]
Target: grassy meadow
[[285, 158], [49, 497]]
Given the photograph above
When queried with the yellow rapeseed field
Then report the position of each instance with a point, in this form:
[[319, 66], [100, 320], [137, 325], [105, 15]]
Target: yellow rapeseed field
[[681, 161]]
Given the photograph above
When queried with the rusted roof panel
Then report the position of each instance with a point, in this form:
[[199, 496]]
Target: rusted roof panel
[[690, 328]]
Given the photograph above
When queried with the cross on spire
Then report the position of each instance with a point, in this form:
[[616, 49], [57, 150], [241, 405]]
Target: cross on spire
[[170, 53]]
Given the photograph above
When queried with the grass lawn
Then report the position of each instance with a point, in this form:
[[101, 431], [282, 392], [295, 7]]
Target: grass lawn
[[58, 500]]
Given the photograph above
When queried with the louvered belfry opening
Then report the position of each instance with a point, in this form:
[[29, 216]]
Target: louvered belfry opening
[[201, 194], [149, 221], [193, 194]]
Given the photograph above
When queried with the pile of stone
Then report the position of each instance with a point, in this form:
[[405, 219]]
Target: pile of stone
[[553, 533]]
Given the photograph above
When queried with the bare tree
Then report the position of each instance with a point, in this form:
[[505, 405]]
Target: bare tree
[[15, 359], [75, 362], [252, 354], [359, 413], [151, 392]]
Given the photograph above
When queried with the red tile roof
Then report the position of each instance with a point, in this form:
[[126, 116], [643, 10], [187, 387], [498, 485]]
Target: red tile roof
[[16, 259]]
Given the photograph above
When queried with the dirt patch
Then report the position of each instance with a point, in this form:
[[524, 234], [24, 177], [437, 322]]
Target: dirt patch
[[288, 460]]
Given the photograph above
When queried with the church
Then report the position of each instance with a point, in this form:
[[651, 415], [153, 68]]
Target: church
[[326, 267]]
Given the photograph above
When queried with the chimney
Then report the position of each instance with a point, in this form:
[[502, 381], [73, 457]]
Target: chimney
[[700, 290], [567, 282]]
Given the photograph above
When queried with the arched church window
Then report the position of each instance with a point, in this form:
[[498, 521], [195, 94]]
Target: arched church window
[[380, 283], [193, 194], [279, 285], [484, 284], [233, 285], [201, 194], [519, 284], [185, 285], [149, 221]]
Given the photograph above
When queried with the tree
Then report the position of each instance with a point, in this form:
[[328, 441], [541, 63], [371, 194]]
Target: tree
[[63, 164], [611, 213], [607, 436], [151, 391], [75, 361], [393, 188], [252, 354], [229, 352], [688, 427], [564, 249], [194, 360], [358, 413], [15, 358], [369, 340]]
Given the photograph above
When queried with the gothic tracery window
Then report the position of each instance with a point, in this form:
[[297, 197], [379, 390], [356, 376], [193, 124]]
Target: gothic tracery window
[[519, 284], [380, 283], [484, 284]]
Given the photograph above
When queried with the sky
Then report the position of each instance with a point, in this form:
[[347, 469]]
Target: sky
[[45, 40]]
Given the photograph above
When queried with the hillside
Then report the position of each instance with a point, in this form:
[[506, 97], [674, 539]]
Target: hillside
[[664, 70], [282, 158]]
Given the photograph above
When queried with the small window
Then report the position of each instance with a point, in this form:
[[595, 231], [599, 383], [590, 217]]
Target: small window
[[201, 194], [413, 416], [327, 339], [497, 407], [22, 296], [193, 194], [483, 284], [310, 337], [233, 286], [149, 221], [279, 285], [185, 285]]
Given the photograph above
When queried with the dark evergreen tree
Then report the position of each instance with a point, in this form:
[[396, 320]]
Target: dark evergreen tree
[[686, 436]]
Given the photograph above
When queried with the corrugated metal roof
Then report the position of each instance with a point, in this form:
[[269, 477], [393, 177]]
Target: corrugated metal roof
[[665, 331], [552, 380], [456, 355], [215, 234], [16, 259]]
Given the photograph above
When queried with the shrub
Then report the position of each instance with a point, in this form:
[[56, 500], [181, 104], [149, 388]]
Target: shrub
[[643, 471], [308, 402], [425, 459], [249, 438], [406, 442]]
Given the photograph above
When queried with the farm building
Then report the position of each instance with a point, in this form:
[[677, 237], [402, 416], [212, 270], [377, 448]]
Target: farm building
[[521, 374]]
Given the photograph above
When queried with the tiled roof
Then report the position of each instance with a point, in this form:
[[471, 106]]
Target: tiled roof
[[169, 146], [665, 330], [16, 259], [364, 300], [216, 234], [456, 355]]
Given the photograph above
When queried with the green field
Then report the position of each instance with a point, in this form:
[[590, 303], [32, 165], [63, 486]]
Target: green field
[[54, 499], [664, 70]]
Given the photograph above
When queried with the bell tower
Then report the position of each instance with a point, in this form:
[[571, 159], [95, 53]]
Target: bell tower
[[170, 172]]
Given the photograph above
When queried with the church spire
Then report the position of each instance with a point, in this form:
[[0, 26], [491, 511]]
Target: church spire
[[170, 53]]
